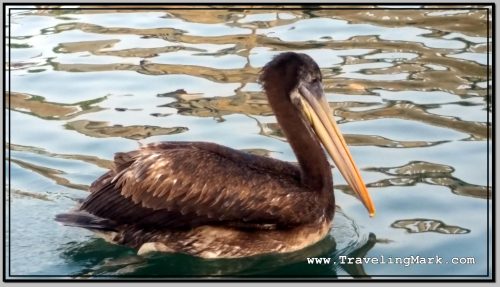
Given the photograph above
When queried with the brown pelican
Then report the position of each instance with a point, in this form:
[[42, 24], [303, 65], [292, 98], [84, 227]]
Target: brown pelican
[[212, 201]]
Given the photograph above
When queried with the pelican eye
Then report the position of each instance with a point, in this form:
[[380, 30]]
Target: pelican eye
[[295, 98]]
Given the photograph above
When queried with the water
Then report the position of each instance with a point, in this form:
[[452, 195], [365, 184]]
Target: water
[[410, 90]]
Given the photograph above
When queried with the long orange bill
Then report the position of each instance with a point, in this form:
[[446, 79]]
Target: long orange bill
[[320, 116]]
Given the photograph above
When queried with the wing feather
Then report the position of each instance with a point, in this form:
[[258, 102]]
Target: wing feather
[[184, 185]]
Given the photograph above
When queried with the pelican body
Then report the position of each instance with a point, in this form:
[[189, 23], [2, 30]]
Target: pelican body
[[212, 201]]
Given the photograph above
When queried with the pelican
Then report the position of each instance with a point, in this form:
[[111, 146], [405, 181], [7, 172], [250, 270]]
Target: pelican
[[211, 201]]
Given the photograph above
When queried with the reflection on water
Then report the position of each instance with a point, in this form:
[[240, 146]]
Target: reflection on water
[[428, 225], [409, 88], [101, 129], [102, 259]]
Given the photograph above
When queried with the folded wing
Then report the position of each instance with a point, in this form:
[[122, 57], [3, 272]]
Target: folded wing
[[176, 185]]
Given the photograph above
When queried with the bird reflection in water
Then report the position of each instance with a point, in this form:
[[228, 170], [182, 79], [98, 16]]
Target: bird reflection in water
[[99, 260]]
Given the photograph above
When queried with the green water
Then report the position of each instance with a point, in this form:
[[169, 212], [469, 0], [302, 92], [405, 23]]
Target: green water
[[409, 89]]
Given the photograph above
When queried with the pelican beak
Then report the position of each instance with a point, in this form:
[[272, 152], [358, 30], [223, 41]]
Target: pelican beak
[[320, 116]]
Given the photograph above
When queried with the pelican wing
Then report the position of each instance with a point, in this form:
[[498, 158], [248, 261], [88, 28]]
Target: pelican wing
[[191, 184]]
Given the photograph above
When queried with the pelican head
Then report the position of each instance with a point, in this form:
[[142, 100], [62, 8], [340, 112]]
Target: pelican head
[[294, 79]]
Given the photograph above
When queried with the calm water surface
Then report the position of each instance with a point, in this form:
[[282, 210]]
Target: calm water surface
[[409, 89]]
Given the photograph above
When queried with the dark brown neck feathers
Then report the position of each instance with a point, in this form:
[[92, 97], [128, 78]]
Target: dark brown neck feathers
[[315, 169]]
